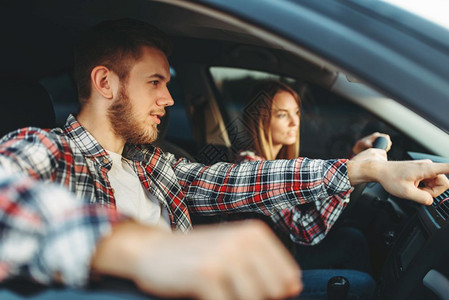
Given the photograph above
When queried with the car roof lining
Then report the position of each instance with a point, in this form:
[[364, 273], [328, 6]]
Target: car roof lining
[[50, 27]]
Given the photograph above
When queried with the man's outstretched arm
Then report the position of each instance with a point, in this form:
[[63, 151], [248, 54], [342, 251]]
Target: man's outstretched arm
[[420, 180]]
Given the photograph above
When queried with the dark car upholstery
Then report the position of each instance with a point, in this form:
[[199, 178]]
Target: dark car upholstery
[[166, 145], [24, 103]]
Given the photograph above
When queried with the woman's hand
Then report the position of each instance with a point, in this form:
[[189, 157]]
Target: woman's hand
[[367, 142]]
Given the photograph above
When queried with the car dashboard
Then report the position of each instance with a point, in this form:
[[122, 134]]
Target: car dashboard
[[417, 266]]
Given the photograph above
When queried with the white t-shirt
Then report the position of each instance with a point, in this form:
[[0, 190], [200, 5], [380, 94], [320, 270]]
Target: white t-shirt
[[131, 198]]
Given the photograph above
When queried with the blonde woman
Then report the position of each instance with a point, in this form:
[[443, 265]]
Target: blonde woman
[[273, 120]]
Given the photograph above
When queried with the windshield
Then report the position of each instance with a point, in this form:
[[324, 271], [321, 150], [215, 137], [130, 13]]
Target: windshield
[[433, 10]]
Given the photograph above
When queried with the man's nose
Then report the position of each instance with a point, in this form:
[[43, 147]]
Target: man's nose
[[165, 100]]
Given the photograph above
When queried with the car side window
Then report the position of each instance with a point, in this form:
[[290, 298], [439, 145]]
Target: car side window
[[330, 124]]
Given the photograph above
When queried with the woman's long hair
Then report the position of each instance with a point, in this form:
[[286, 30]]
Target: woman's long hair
[[257, 116]]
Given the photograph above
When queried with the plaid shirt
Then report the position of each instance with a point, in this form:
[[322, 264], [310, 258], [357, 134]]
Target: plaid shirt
[[39, 239], [73, 158], [292, 219]]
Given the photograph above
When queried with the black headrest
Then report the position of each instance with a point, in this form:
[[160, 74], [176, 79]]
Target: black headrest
[[24, 103]]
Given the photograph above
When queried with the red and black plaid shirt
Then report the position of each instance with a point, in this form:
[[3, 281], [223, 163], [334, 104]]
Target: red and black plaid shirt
[[73, 158], [292, 219]]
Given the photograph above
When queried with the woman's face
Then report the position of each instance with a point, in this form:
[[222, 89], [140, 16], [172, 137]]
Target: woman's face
[[284, 123]]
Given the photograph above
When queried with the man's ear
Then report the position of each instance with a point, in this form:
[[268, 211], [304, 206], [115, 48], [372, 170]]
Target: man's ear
[[103, 81]]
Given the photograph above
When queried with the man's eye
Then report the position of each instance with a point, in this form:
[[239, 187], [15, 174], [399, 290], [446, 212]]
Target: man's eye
[[155, 82], [282, 115]]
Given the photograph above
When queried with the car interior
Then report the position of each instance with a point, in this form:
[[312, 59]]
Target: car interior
[[216, 61]]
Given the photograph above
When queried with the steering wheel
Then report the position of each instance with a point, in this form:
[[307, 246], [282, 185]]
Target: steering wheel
[[380, 143]]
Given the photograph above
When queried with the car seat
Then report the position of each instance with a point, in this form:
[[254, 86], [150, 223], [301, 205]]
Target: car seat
[[166, 145], [24, 103]]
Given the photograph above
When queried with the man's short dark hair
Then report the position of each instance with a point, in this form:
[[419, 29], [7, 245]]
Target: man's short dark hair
[[115, 44]]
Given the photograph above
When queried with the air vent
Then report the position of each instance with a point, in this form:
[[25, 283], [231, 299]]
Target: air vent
[[441, 205]]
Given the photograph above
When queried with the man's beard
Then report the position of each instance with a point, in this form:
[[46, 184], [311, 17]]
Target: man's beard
[[125, 124]]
